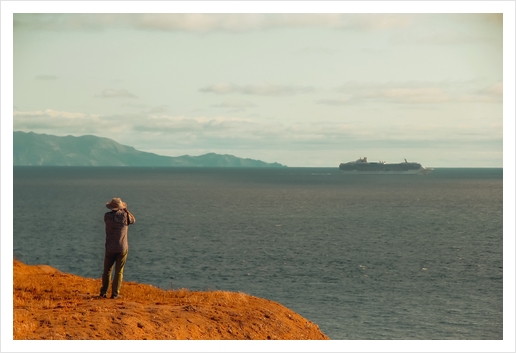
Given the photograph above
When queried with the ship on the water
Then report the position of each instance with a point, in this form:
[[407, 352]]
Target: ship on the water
[[362, 166]]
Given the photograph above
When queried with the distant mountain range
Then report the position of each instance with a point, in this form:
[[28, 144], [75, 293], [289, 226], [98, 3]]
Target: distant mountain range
[[31, 149]]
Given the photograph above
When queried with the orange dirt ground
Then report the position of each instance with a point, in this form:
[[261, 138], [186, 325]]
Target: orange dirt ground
[[49, 304]]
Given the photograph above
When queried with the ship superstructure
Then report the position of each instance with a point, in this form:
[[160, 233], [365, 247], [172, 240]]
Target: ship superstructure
[[363, 166]]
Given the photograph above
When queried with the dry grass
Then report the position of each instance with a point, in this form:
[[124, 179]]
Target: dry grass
[[49, 304]]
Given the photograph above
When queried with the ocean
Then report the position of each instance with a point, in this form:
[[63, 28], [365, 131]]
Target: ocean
[[365, 257]]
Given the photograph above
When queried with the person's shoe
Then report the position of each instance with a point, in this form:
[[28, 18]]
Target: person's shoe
[[102, 296], [116, 297]]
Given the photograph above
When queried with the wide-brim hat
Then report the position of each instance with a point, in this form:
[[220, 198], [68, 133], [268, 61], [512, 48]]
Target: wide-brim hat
[[116, 204]]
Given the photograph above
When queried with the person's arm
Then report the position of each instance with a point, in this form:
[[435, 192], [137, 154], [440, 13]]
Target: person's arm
[[130, 217]]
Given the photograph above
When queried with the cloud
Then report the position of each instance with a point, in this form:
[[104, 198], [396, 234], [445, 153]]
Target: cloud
[[413, 95], [174, 124], [489, 94], [439, 37], [175, 135], [495, 89], [159, 109], [46, 77], [258, 89], [135, 105], [452, 29], [414, 92], [382, 21], [202, 23], [51, 113], [337, 101], [116, 93], [52, 121], [220, 88], [234, 104]]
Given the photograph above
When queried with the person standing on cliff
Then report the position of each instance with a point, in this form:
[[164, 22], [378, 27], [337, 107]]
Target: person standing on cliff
[[117, 222]]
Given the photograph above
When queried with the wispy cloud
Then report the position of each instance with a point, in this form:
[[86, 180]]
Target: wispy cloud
[[415, 93], [412, 95], [264, 89], [468, 28], [52, 121], [159, 109], [202, 23], [438, 37], [163, 130], [234, 104], [496, 89], [116, 93], [133, 105]]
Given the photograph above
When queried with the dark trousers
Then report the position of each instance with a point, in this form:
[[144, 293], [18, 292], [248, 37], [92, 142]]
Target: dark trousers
[[110, 259]]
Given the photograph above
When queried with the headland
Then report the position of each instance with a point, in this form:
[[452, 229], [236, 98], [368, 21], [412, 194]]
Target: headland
[[49, 304]]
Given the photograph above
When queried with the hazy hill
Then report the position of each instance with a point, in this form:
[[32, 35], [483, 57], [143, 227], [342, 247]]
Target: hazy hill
[[31, 149]]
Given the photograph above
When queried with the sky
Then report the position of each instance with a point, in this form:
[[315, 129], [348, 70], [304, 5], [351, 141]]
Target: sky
[[303, 90]]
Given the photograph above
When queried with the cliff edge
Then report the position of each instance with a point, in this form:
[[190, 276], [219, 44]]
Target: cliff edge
[[49, 304]]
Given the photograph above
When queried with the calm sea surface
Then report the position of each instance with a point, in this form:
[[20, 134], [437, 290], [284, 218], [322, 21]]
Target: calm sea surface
[[364, 257]]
